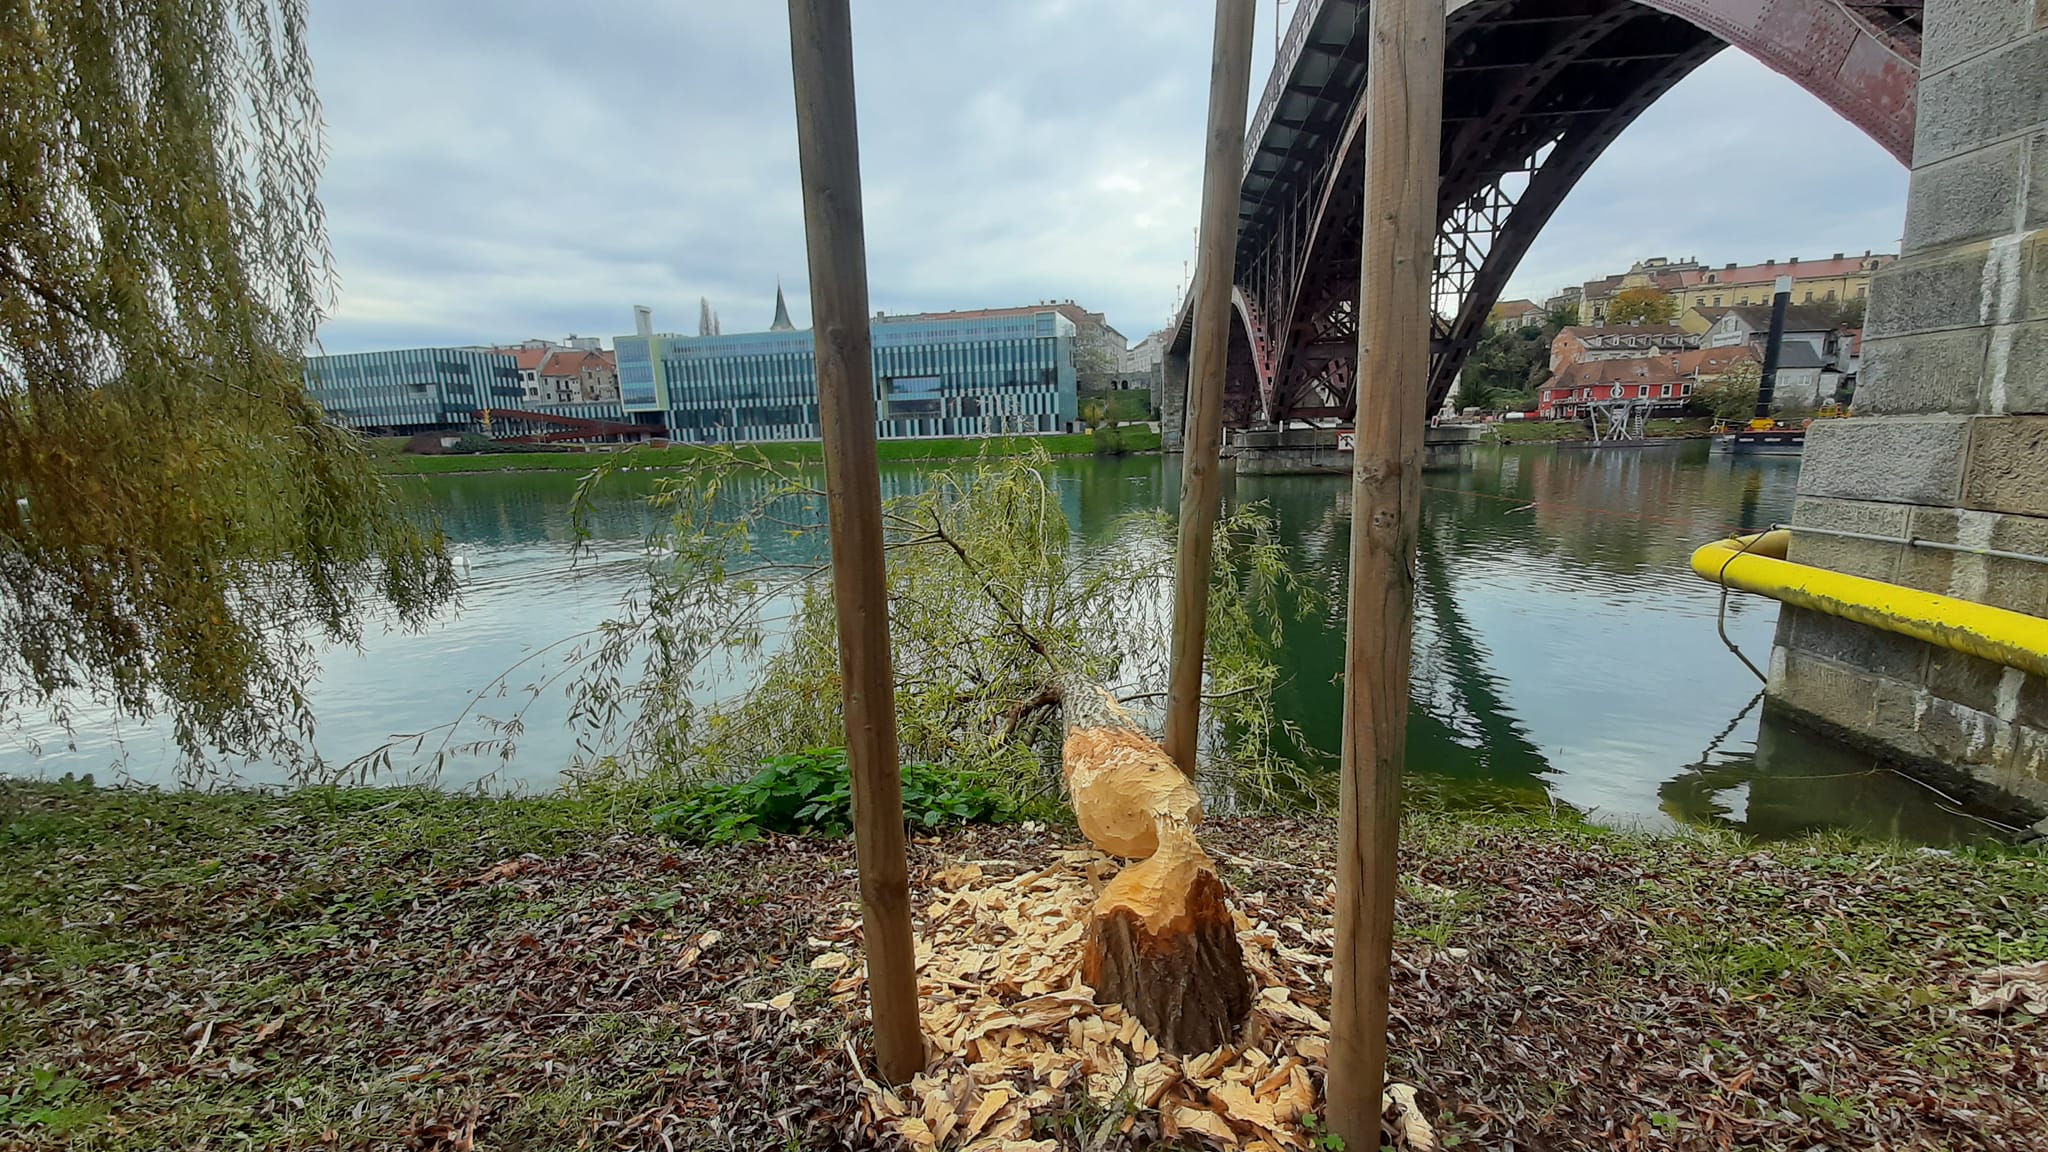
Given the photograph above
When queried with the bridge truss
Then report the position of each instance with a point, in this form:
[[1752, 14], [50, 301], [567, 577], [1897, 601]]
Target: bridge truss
[[1534, 92]]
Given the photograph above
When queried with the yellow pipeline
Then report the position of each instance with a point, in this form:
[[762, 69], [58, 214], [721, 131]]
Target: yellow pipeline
[[1757, 564]]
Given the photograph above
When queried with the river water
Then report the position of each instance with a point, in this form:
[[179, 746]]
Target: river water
[[1564, 649]]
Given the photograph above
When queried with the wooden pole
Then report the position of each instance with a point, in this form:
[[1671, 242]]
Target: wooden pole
[[1230, 73], [828, 151], [1403, 127]]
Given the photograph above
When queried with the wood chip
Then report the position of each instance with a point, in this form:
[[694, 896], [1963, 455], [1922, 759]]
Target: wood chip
[[1205, 1122], [956, 878], [1149, 1082], [1409, 1122], [992, 1102], [1016, 1032], [916, 1133], [1236, 1101]]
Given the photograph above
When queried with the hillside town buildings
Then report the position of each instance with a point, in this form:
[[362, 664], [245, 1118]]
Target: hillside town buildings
[[1722, 316], [1838, 278], [1579, 343], [1811, 365], [1518, 314], [1691, 284], [1665, 381]]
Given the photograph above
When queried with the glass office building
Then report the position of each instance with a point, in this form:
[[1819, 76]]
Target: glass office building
[[415, 389], [973, 374]]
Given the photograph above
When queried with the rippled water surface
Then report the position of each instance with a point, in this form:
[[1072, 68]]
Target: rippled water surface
[[1563, 646]]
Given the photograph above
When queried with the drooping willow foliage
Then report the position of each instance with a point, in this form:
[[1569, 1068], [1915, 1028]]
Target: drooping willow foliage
[[179, 524], [730, 655]]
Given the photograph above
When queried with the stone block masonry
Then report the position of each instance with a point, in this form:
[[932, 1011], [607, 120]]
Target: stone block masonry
[[1173, 400], [1950, 438]]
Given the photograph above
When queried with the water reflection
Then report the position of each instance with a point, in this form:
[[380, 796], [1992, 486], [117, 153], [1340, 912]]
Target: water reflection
[[1563, 648], [1791, 782]]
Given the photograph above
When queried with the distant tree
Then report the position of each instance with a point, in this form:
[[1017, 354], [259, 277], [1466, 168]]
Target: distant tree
[[1505, 368], [1561, 317], [1094, 363], [1841, 313], [180, 524], [1642, 306], [1732, 394]]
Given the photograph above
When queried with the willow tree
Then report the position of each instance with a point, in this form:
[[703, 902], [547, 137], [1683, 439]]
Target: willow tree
[[728, 655], [180, 526]]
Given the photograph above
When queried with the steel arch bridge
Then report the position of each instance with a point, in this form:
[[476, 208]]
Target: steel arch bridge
[[1534, 92]]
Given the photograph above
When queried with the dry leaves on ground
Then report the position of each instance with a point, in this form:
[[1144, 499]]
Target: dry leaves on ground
[[1014, 1034]]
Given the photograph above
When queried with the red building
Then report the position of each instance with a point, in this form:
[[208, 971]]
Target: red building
[[1666, 381]]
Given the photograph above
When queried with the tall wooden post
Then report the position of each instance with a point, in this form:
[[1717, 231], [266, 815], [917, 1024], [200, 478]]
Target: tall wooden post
[[828, 151], [1230, 73], [1403, 127]]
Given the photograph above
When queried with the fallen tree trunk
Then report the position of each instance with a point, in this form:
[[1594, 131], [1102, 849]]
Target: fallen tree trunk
[[1161, 939]]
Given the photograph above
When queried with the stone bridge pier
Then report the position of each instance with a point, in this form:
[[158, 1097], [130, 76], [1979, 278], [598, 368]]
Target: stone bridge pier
[[1949, 442]]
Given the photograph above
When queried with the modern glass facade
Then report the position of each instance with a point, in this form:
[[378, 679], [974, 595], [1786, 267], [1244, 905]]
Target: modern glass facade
[[971, 375], [415, 389]]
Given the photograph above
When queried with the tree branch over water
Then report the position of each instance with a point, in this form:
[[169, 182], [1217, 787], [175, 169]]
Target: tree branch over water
[[994, 608], [181, 526]]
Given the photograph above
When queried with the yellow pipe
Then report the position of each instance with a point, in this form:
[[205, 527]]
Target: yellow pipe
[[1757, 564]]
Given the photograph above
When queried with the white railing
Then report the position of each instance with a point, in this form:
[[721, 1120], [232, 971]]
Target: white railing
[[1305, 13]]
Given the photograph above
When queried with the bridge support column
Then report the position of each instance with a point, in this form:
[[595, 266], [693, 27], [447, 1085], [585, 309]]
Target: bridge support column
[[1173, 400], [1950, 438]]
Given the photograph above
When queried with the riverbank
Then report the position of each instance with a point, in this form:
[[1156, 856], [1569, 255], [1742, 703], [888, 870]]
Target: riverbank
[[355, 969], [1557, 431], [1115, 441]]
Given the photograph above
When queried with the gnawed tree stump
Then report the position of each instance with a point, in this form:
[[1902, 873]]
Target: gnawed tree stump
[[1163, 944], [1161, 940]]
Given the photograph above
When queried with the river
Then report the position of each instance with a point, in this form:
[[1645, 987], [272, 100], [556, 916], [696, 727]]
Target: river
[[1563, 650]]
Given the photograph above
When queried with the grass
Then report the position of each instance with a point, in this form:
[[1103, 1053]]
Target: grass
[[1123, 440], [1553, 431], [364, 968], [1121, 404]]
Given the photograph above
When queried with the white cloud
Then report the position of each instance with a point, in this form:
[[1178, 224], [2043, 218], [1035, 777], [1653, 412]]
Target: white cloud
[[1735, 163], [520, 168]]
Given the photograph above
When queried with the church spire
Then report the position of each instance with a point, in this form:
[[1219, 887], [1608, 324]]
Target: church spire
[[781, 322]]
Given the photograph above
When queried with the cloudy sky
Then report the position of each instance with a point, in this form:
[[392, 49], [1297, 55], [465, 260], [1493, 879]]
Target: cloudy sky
[[502, 169]]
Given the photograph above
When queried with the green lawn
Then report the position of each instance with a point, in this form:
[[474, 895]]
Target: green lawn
[[1552, 431], [1121, 440], [1127, 404]]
